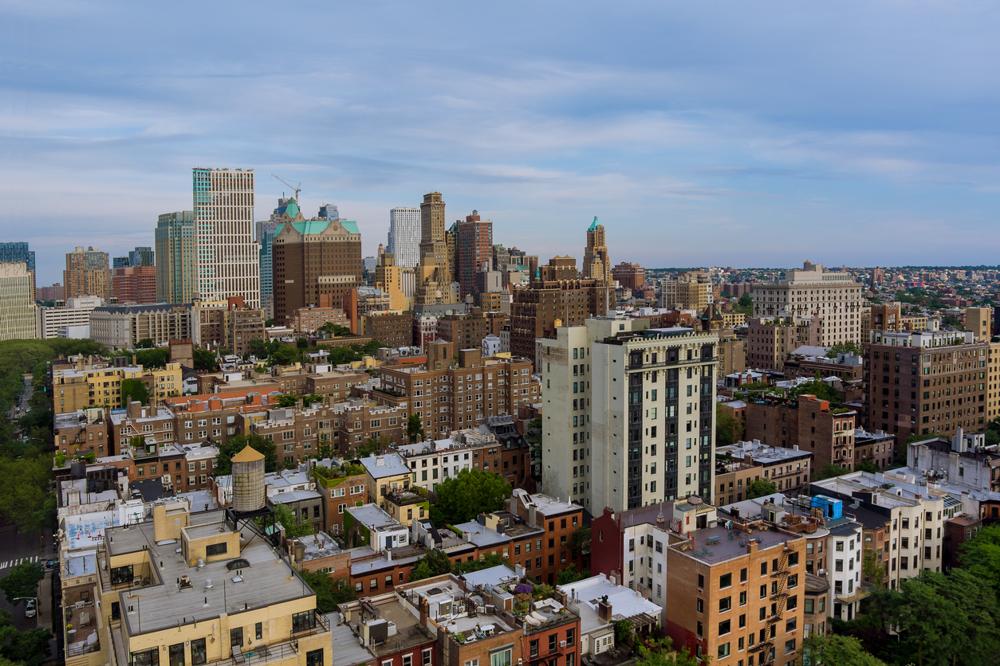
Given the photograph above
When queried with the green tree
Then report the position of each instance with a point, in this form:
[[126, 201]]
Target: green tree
[[293, 523], [284, 354], [287, 400], [834, 650], [866, 466], [145, 343], [134, 389], [830, 471], [727, 428], [465, 496], [820, 389], [570, 574], [22, 581], [152, 358], [434, 563], [485, 562], [25, 499], [414, 428], [624, 633], [232, 446], [330, 592], [661, 652], [205, 359], [843, 348], [579, 543], [761, 487]]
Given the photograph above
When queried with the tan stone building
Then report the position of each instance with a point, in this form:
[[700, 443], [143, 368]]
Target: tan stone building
[[87, 273], [833, 298]]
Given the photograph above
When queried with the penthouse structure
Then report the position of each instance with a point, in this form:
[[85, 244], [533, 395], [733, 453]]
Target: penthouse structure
[[787, 468]]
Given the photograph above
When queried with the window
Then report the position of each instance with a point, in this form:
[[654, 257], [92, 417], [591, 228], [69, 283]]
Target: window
[[146, 658], [726, 580], [533, 649], [723, 650], [176, 652], [501, 657], [725, 604], [314, 657], [236, 637], [199, 655], [258, 631], [216, 549], [303, 621], [427, 658], [121, 575], [724, 627], [407, 660]]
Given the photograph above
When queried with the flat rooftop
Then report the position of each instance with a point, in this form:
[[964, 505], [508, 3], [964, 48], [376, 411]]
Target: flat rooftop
[[213, 589], [713, 545]]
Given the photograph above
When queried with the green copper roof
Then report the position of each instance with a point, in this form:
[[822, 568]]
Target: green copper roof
[[309, 227], [593, 225], [292, 209]]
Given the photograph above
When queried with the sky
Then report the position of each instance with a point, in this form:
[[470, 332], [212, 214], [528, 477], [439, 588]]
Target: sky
[[700, 133]]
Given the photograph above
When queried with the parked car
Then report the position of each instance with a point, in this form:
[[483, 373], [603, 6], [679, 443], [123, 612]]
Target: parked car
[[31, 608]]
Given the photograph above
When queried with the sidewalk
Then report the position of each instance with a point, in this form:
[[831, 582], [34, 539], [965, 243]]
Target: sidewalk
[[44, 619]]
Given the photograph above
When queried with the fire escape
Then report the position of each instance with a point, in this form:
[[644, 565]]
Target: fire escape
[[779, 602]]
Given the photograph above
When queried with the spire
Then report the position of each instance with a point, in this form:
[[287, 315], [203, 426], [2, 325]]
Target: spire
[[593, 225]]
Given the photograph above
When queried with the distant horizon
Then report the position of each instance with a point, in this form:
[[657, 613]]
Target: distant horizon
[[698, 134]]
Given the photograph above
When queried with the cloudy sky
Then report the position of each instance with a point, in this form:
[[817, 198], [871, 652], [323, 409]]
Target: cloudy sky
[[732, 133]]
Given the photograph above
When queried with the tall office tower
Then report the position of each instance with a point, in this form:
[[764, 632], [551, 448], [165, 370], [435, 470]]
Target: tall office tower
[[134, 284], [141, 256], [812, 292], [473, 250], [13, 252], [265, 239], [329, 211], [175, 270], [451, 243], [316, 262], [434, 274], [926, 383], [228, 258], [17, 304], [652, 409], [389, 279], [87, 273], [596, 262], [404, 236], [119, 262], [564, 363]]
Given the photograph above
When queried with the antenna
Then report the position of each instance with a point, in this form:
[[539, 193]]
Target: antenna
[[295, 188]]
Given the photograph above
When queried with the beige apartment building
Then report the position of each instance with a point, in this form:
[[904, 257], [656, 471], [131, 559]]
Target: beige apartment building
[[17, 307], [834, 298]]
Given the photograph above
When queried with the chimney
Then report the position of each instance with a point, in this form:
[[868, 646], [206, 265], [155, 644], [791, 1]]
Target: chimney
[[752, 545], [424, 611], [604, 609]]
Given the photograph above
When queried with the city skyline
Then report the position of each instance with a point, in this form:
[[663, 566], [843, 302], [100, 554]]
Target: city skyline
[[873, 122]]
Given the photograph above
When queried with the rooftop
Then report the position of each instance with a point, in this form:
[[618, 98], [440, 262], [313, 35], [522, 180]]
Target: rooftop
[[373, 517], [384, 466], [712, 545], [213, 589]]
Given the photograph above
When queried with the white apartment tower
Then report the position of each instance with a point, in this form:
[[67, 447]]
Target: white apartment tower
[[566, 383], [17, 303], [227, 259], [832, 297], [652, 409], [404, 236]]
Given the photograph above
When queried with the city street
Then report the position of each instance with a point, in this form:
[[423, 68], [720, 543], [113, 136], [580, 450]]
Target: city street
[[15, 548]]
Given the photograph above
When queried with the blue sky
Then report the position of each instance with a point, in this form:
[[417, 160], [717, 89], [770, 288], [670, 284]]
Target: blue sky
[[726, 133]]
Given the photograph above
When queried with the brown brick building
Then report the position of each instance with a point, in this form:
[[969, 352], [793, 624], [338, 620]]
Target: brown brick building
[[537, 308], [392, 329], [313, 258], [630, 276], [473, 251], [926, 383], [807, 422], [452, 396], [466, 331], [134, 284]]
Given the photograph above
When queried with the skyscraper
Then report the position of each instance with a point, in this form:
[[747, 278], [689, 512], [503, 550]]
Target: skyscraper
[[316, 262], [228, 258], [596, 263], [265, 238], [434, 275], [17, 304], [404, 236], [175, 269], [473, 250], [13, 252], [141, 256], [87, 273]]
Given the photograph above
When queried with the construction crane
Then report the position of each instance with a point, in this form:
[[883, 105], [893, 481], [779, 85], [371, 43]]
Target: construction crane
[[295, 188]]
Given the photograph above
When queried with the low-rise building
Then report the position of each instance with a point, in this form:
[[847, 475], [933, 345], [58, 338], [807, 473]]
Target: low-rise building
[[82, 432], [787, 468]]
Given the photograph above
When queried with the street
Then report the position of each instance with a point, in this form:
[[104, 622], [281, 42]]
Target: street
[[16, 548]]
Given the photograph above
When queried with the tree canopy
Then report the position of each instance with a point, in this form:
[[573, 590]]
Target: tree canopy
[[434, 563], [329, 591], [414, 428], [761, 487], [465, 496], [836, 650], [232, 446], [22, 581], [205, 359], [134, 389]]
